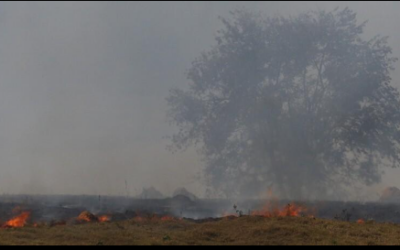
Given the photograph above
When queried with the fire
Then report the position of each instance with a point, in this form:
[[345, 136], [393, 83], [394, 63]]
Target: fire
[[18, 221], [104, 218], [290, 210], [273, 209], [86, 216], [360, 221]]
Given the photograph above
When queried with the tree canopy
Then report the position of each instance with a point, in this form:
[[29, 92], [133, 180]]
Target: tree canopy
[[302, 103]]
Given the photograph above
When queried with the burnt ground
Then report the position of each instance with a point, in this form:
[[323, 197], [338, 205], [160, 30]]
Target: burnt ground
[[57, 208]]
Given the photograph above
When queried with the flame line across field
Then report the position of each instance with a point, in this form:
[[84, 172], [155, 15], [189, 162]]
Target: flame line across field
[[21, 220], [271, 208]]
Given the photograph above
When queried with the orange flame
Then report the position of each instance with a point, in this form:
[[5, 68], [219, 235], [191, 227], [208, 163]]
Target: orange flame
[[87, 216], [18, 221], [104, 218], [360, 221], [289, 210], [273, 209]]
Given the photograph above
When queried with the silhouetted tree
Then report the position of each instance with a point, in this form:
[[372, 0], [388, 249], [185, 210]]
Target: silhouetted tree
[[302, 103]]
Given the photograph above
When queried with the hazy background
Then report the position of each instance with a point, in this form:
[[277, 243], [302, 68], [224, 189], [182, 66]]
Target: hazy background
[[83, 87]]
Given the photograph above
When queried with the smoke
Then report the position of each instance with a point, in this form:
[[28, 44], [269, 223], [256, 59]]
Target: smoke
[[83, 87]]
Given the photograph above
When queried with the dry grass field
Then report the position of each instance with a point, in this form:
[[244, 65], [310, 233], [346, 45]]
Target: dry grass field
[[246, 230]]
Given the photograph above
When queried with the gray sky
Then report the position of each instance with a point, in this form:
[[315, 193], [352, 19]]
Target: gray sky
[[83, 87]]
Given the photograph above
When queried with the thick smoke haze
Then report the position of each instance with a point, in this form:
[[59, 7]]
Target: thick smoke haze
[[83, 88]]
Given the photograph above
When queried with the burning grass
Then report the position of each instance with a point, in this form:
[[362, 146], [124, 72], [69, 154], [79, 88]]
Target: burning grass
[[86, 216], [23, 218], [290, 210], [273, 224], [245, 230], [17, 221]]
